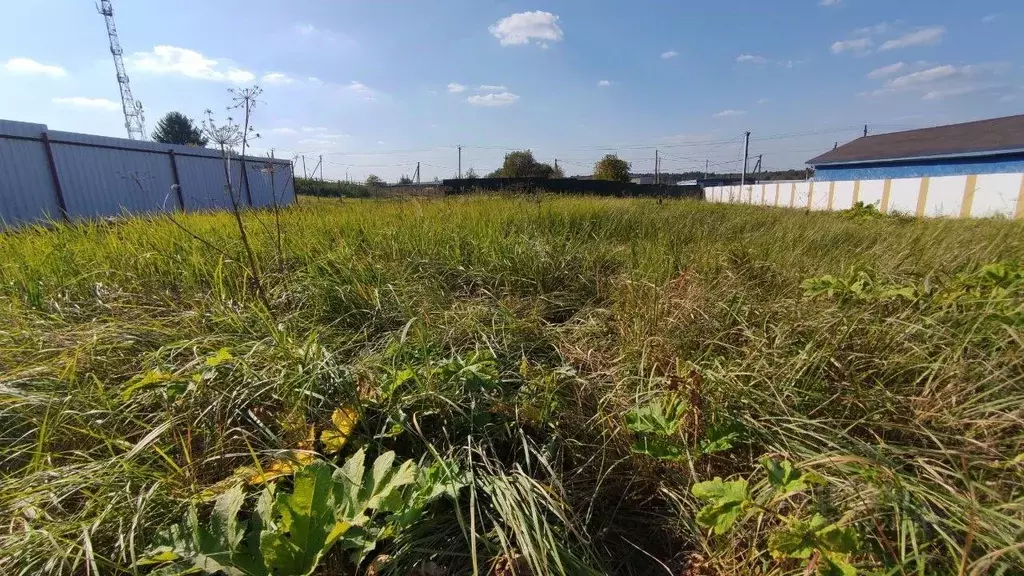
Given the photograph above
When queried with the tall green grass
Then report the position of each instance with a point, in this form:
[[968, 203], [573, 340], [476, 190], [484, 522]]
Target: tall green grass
[[516, 341]]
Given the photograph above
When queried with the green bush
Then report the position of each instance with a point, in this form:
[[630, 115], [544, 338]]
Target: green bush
[[331, 188]]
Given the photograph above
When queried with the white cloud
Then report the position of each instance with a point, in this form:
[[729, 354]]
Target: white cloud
[[939, 82], [175, 60], [763, 101], [923, 77], [950, 92], [455, 88], [494, 99], [306, 29], [859, 45], [362, 90], [729, 113], [84, 103], [277, 78], [669, 54], [924, 37], [829, 2], [315, 80], [886, 71], [604, 83], [990, 18], [313, 129], [493, 88], [30, 66], [524, 27], [751, 58], [880, 28]]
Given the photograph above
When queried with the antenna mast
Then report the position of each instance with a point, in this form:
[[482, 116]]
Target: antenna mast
[[134, 119]]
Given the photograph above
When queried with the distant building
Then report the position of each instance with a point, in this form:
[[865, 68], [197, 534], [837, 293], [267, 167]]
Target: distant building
[[993, 146]]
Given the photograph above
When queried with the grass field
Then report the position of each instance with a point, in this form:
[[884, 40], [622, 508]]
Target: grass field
[[542, 386]]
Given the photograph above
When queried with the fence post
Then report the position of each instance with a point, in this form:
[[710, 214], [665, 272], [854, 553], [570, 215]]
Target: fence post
[[56, 178], [291, 176], [177, 180]]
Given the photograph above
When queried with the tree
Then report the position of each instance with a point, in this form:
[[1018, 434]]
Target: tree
[[374, 181], [611, 167], [522, 164], [470, 174], [404, 180], [176, 128]]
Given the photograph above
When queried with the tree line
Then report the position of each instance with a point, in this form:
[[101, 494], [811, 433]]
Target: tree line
[[177, 128]]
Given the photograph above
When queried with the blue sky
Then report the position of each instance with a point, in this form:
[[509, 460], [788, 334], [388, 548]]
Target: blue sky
[[376, 86]]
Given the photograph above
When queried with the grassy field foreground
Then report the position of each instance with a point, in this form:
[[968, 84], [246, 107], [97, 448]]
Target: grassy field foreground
[[514, 386]]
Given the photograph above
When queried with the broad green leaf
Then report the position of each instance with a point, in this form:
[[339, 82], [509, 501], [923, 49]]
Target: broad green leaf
[[721, 438], [663, 416], [659, 448], [835, 565], [718, 489], [795, 541], [801, 538], [720, 516], [836, 539], [305, 518], [786, 479], [347, 482], [725, 503], [224, 521]]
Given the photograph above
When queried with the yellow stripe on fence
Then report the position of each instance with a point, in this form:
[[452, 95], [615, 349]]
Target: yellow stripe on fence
[[968, 201], [922, 196]]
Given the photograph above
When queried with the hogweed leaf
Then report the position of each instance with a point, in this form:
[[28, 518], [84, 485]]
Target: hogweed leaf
[[343, 422], [725, 503], [659, 448], [306, 517], [224, 521]]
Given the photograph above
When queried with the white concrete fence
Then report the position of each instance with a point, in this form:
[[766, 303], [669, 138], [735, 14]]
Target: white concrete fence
[[977, 196]]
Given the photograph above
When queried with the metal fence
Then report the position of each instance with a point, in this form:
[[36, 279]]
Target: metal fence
[[49, 175]]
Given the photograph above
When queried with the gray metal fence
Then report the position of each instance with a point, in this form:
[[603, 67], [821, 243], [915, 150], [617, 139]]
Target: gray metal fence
[[50, 175]]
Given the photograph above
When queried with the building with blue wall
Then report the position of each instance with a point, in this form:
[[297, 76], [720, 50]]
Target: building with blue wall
[[994, 146]]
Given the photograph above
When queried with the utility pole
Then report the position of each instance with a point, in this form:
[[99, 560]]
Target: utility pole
[[556, 165], [865, 130], [746, 156], [321, 167], [707, 165], [304, 174], [417, 172], [460, 161]]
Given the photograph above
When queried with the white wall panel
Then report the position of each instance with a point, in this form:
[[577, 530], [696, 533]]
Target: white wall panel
[[903, 195], [945, 196], [871, 192], [819, 201], [843, 196], [802, 190], [996, 195]]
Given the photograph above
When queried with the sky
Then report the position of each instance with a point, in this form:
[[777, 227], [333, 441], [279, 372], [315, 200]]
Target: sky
[[376, 86]]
